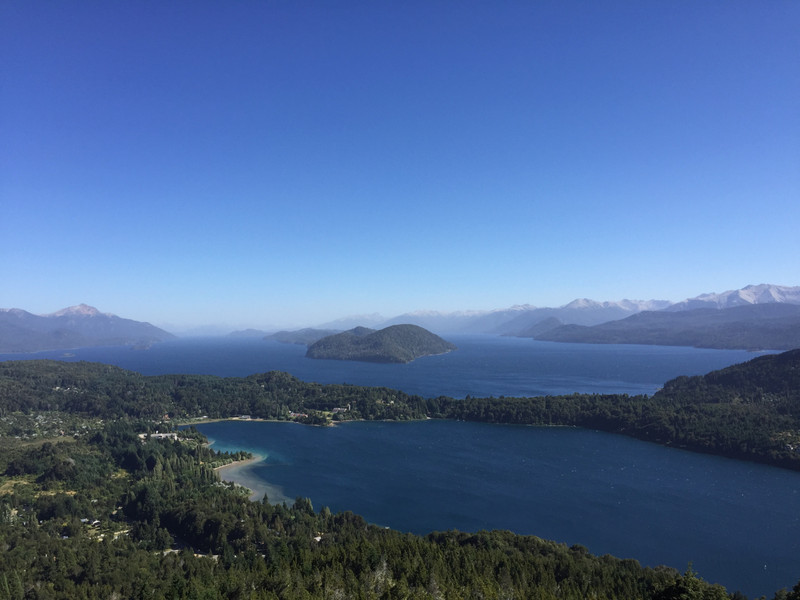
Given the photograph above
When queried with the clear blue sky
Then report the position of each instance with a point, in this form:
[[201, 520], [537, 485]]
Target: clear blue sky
[[286, 163]]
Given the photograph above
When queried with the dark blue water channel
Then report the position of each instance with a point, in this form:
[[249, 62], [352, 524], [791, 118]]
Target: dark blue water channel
[[738, 523], [482, 365]]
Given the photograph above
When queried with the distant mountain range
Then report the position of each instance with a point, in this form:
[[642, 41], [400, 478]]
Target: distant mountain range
[[73, 327], [752, 294], [748, 327], [525, 320], [370, 320], [513, 320], [754, 317], [393, 344], [661, 322]]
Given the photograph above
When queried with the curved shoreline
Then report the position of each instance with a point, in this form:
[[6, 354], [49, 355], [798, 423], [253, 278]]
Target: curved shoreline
[[641, 435], [236, 472], [239, 473], [238, 464]]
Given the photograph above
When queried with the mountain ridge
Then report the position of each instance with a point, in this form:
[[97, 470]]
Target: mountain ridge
[[517, 319], [73, 327], [771, 326], [762, 293]]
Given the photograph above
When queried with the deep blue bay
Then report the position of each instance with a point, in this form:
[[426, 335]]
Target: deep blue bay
[[483, 365], [736, 521]]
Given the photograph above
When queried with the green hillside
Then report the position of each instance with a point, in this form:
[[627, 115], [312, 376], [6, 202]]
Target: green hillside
[[92, 505], [754, 327], [395, 344]]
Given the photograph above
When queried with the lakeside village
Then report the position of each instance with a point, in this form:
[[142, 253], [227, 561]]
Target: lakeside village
[[316, 417], [323, 417]]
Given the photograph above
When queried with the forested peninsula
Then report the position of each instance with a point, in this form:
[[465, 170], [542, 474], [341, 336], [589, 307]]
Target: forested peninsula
[[94, 504], [748, 411], [772, 326]]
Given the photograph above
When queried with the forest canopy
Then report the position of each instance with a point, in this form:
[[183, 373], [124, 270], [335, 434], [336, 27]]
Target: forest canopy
[[93, 504]]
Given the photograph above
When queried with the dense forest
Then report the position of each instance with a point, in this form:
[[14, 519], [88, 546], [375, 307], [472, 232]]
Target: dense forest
[[749, 411], [111, 515], [93, 505]]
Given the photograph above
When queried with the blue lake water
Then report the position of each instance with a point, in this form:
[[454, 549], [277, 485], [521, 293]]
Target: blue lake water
[[482, 366], [737, 522]]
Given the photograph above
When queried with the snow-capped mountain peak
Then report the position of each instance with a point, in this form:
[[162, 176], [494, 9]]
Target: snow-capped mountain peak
[[83, 310], [752, 294], [516, 307], [579, 303], [627, 305]]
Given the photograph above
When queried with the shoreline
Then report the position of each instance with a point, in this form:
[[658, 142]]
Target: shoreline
[[234, 472], [239, 473], [238, 464], [790, 464], [200, 420]]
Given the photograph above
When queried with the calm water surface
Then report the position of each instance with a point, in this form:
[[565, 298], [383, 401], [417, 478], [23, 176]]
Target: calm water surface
[[737, 522], [482, 366]]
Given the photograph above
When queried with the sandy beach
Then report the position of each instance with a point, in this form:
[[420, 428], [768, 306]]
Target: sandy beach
[[241, 473], [237, 464]]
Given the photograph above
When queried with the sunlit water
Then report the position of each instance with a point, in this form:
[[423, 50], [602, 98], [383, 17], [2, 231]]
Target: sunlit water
[[482, 366], [738, 523]]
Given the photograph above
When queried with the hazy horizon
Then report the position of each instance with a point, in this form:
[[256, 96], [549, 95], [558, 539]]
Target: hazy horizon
[[279, 165], [347, 321]]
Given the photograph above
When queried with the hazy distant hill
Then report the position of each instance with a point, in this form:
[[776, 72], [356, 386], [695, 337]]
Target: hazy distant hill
[[517, 319], [372, 320], [540, 327], [773, 326], [394, 344], [305, 337], [579, 312], [463, 321], [73, 327], [247, 333]]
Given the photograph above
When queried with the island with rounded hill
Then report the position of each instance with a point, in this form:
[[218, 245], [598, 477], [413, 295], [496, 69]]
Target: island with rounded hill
[[394, 344]]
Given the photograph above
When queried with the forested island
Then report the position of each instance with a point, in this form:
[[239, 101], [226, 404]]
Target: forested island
[[394, 344], [94, 504]]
